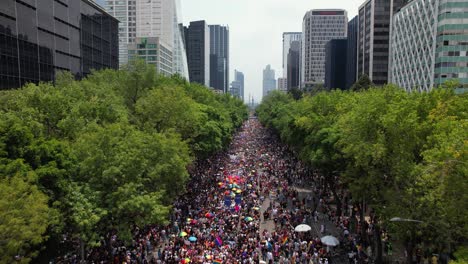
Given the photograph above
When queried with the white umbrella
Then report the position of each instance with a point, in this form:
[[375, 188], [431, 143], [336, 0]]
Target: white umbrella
[[302, 228], [330, 241]]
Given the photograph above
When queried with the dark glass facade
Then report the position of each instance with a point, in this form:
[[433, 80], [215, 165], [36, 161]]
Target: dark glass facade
[[219, 56], [374, 36], [335, 63], [40, 38], [293, 65], [351, 56], [197, 39]]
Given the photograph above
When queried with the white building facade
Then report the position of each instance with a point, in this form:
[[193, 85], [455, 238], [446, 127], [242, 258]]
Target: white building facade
[[319, 26], [428, 44]]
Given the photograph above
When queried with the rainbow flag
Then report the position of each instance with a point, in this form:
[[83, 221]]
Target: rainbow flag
[[217, 261], [285, 239]]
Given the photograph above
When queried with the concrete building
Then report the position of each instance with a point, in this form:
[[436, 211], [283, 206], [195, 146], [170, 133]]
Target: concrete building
[[294, 65], [351, 53], [373, 38], [150, 19], [39, 38], [237, 86], [318, 27], [428, 44], [197, 37], [154, 52], [269, 81], [219, 57], [288, 38], [282, 84], [335, 64]]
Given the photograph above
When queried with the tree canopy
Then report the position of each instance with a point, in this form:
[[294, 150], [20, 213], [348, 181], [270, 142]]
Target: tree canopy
[[79, 159]]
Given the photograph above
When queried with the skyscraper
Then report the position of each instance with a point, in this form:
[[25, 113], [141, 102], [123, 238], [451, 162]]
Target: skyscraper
[[428, 44], [351, 53], [373, 38], [294, 65], [269, 81], [335, 63], [237, 86], [40, 38], [150, 19], [319, 27], [197, 37], [288, 38], [219, 57]]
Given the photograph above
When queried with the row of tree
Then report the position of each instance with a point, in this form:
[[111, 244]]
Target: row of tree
[[403, 154], [82, 159]]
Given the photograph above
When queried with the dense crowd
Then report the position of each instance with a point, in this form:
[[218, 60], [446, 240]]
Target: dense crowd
[[219, 219]]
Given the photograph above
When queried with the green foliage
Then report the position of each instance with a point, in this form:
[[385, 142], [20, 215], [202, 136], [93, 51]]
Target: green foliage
[[404, 154], [362, 84], [109, 152]]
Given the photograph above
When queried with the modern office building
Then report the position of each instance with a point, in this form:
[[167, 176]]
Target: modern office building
[[294, 65], [219, 57], [282, 84], [428, 44], [373, 38], [39, 38], [180, 64], [150, 19], [351, 53], [197, 38], [318, 27], [288, 38], [155, 52], [237, 86], [335, 64], [269, 81]]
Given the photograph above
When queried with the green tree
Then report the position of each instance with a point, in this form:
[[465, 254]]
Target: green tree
[[362, 84]]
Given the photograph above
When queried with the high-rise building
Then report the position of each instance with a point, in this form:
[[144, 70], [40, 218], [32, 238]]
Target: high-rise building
[[269, 81], [219, 57], [150, 19], [154, 52], [282, 84], [237, 86], [294, 65], [373, 38], [335, 64], [428, 44], [180, 64], [318, 27], [351, 53], [197, 38], [288, 38], [39, 38]]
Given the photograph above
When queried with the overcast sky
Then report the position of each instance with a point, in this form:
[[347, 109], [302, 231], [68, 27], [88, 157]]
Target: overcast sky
[[256, 28]]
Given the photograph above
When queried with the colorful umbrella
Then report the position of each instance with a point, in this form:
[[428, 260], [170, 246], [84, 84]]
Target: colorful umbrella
[[192, 239], [256, 208], [248, 219], [209, 215], [238, 191], [183, 234]]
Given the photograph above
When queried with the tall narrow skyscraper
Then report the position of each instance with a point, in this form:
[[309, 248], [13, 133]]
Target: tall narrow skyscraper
[[294, 65], [269, 81], [351, 53], [335, 64], [237, 86], [318, 27], [197, 37], [288, 38], [373, 38], [219, 57]]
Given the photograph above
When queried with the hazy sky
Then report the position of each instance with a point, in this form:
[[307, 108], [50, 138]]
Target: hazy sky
[[256, 30]]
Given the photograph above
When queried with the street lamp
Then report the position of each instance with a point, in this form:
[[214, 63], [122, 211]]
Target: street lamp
[[399, 219]]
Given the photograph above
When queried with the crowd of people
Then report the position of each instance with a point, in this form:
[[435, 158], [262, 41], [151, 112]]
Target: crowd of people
[[241, 207]]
